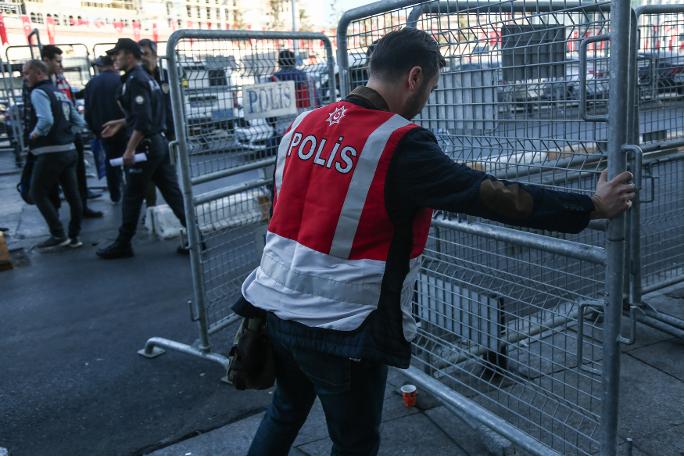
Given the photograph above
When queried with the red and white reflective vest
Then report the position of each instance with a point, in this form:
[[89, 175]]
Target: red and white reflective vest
[[329, 238]]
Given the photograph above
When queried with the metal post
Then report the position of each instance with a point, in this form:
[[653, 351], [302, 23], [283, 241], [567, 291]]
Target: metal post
[[17, 127], [294, 27], [207, 320], [191, 220], [617, 137]]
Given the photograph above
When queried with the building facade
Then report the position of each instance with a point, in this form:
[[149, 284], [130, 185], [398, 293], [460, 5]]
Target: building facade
[[104, 21]]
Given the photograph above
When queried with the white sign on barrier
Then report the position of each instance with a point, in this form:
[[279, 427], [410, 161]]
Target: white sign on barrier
[[272, 99]]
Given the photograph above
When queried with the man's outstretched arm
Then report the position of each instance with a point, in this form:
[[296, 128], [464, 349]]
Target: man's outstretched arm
[[421, 175]]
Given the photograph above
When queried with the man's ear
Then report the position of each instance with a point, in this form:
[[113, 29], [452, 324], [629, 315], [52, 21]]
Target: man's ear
[[415, 77]]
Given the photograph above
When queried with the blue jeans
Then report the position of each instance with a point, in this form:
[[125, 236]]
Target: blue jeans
[[351, 393]]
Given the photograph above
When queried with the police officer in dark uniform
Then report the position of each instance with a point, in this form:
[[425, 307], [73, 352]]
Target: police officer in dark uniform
[[141, 99], [150, 61]]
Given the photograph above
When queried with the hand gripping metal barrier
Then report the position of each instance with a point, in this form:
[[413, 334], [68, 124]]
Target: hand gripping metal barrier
[[228, 125], [518, 329]]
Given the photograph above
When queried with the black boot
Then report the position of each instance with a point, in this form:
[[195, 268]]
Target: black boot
[[89, 213], [117, 249]]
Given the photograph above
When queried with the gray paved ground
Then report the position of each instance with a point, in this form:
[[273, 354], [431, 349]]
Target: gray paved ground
[[652, 390], [72, 383]]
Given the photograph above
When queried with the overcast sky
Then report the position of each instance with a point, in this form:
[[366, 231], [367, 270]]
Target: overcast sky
[[341, 5]]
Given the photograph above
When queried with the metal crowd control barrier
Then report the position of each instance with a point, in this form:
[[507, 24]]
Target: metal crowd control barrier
[[657, 76], [100, 49], [75, 60], [11, 89], [227, 133], [520, 330]]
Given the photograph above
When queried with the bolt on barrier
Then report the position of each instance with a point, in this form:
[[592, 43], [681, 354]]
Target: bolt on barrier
[[519, 329], [233, 95]]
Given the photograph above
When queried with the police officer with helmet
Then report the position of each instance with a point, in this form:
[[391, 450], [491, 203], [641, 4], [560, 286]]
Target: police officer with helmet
[[141, 99]]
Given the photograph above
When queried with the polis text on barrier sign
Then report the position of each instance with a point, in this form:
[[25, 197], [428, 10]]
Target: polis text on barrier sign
[[272, 99]]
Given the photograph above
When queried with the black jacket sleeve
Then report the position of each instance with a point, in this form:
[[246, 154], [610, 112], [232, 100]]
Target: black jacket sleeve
[[88, 114], [140, 106], [421, 176]]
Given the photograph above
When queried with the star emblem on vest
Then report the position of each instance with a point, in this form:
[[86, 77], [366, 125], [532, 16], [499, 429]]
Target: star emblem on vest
[[336, 116]]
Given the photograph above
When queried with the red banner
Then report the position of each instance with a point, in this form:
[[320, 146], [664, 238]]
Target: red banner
[[3, 31], [155, 32], [50, 26], [136, 30], [26, 23]]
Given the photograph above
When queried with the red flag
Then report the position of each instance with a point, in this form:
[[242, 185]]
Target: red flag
[[3, 31], [155, 32], [136, 30], [26, 23], [50, 26]]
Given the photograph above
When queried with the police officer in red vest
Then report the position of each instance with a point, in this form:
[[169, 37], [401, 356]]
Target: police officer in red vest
[[355, 185]]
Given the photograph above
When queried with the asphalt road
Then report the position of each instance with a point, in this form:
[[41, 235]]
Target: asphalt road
[[72, 383]]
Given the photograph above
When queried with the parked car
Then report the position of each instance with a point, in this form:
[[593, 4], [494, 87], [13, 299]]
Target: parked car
[[567, 88], [213, 113], [660, 72]]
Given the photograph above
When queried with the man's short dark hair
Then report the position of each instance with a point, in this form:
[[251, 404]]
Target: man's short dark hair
[[399, 51], [50, 51], [286, 58], [146, 42]]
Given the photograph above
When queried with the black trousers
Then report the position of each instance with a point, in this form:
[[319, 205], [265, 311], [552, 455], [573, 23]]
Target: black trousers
[[156, 169], [49, 170]]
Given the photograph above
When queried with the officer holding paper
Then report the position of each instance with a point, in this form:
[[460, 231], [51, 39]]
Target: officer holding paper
[[141, 99]]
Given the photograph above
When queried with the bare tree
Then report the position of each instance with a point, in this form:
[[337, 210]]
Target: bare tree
[[304, 21], [276, 8]]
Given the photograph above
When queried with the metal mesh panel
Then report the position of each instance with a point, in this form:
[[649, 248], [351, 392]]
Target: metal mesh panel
[[527, 301], [660, 74], [228, 150], [232, 229], [499, 322], [213, 74], [662, 229], [508, 100], [75, 61]]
